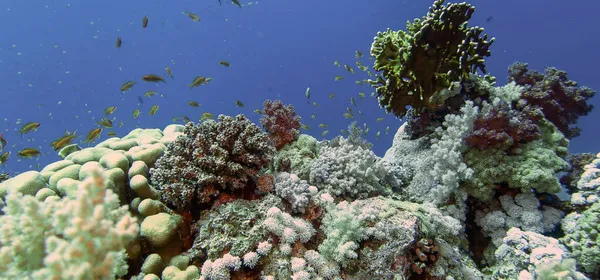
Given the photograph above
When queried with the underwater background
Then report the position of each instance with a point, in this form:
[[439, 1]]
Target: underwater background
[[481, 179], [60, 67]]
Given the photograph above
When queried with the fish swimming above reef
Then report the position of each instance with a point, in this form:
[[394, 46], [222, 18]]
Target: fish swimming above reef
[[193, 103], [119, 42], [153, 78], [198, 81], [63, 141], [3, 142], [193, 16], [29, 153], [4, 157], [153, 110], [145, 22], [93, 135], [110, 110], [105, 122], [127, 86], [29, 127], [169, 72]]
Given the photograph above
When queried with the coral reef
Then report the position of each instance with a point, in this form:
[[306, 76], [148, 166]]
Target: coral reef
[[467, 190]]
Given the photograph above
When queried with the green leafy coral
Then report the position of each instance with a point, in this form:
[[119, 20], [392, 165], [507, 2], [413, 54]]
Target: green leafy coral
[[532, 166], [235, 227], [434, 52]]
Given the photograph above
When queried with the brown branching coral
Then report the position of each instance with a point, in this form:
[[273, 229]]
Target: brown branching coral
[[281, 122], [211, 157], [561, 100]]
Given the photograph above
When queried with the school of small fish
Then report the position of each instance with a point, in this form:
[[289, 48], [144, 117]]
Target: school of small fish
[[107, 121]]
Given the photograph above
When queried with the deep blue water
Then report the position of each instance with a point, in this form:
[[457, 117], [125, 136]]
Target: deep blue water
[[59, 65]]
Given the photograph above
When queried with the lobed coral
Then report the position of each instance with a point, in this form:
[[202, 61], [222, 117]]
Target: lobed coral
[[209, 158], [281, 122]]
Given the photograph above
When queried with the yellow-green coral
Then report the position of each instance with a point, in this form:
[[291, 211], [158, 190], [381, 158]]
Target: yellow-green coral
[[428, 57]]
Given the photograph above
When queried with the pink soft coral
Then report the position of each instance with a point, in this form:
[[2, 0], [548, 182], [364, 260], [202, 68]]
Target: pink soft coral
[[281, 122]]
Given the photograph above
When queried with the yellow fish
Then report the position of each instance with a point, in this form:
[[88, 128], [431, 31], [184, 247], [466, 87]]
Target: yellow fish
[[63, 141], [110, 110], [127, 86], [199, 80], [153, 110], [169, 72], [193, 16], [193, 103], [93, 135], [28, 153], [29, 127]]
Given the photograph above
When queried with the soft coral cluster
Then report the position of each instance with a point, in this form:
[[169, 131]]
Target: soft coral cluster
[[502, 127], [211, 157], [281, 122], [561, 100]]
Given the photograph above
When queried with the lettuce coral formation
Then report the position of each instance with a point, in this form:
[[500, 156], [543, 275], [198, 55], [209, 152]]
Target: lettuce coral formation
[[467, 190]]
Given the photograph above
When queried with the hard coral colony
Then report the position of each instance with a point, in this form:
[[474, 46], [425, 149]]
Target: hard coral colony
[[467, 190]]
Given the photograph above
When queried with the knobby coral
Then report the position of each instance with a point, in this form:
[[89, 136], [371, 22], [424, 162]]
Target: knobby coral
[[281, 122], [211, 157], [432, 54]]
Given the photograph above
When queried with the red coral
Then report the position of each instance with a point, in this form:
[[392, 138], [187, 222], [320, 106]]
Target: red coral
[[281, 122], [503, 128], [559, 98], [266, 183]]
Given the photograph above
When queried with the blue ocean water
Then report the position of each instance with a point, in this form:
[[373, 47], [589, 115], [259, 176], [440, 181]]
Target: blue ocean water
[[60, 67]]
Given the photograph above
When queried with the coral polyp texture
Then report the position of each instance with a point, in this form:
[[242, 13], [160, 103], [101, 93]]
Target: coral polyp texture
[[209, 158], [281, 122], [433, 52], [468, 189]]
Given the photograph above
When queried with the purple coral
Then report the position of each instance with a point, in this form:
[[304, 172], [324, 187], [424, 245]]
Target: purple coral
[[503, 128], [209, 158], [559, 98], [281, 122]]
